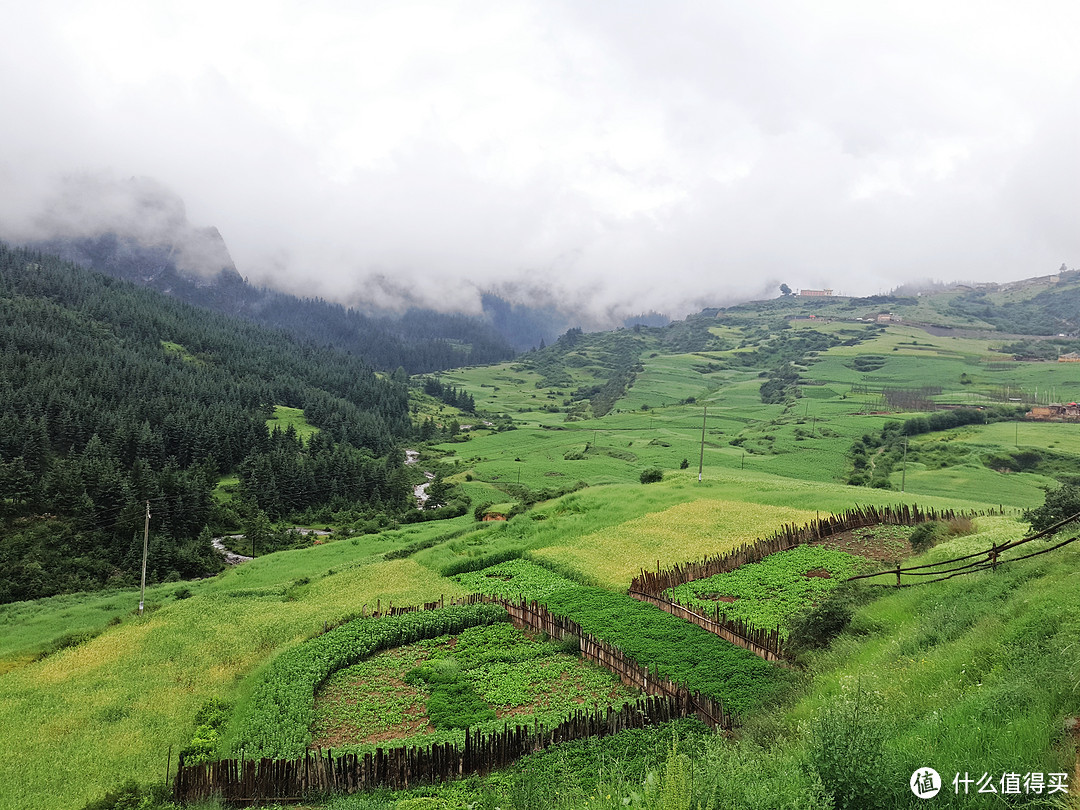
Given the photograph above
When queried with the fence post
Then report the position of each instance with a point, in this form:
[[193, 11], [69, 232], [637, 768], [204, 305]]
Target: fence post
[[898, 574]]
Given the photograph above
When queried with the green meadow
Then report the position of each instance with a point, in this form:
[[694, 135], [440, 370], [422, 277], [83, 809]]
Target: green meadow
[[285, 417], [92, 695]]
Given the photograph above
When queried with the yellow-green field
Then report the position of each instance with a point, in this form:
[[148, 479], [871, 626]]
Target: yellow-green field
[[84, 719], [687, 531]]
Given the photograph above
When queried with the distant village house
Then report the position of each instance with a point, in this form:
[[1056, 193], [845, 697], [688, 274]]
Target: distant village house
[[817, 293], [1055, 413], [1071, 357]]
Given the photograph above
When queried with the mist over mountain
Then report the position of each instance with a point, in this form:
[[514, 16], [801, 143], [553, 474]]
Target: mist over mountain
[[138, 230]]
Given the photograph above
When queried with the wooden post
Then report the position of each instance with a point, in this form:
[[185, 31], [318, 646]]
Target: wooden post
[[701, 461], [897, 574], [145, 547]]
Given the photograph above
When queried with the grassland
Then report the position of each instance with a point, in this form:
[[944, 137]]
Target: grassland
[[84, 719], [285, 417]]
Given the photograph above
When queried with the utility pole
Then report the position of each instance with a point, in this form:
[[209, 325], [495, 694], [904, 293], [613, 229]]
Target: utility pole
[[145, 548], [903, 473], [701, 461]]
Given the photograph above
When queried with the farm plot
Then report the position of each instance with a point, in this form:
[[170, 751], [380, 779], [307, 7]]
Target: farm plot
[[516, 580], [430, 691], [683, 532], [768, 593], [675, 648]]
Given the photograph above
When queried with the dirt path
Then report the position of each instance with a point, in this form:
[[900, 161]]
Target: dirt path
[[231, 557], [420, 490]]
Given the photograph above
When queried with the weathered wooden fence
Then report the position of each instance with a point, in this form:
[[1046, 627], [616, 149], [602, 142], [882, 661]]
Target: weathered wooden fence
[[652, 587], [536, 617], [245, 782], [241, 782], [765, 644], [788, 536]]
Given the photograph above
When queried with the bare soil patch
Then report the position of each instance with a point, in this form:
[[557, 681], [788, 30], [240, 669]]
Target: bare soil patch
[[878, 543]]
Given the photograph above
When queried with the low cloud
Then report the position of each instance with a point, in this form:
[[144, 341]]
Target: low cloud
[[611, 158]]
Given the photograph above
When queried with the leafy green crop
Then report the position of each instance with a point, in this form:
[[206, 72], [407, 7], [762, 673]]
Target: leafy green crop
[[676, 649], [767, 593], [469, 680], [282, 707], [515, 579]]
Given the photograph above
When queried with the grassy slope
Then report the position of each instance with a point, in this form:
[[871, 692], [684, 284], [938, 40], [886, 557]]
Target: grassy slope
[[84, 719], [992, 656]]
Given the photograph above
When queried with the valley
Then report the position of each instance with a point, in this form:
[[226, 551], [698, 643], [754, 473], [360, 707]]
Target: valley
[[788, 418]]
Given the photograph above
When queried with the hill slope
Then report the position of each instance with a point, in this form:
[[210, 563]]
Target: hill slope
[[115, 396]]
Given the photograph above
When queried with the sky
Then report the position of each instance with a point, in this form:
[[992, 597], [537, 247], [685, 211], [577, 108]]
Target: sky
[[613, 157]]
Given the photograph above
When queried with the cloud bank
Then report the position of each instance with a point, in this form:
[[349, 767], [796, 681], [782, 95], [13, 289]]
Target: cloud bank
[[615, 157]]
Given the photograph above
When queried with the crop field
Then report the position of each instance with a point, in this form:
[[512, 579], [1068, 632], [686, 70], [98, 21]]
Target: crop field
[[1060, 437], [993, 671], [807, 440], [1023, 490], [91, 694], [687, 531], [670, 379], [766, 594], [677, 649], [88, 717], [518, 580], [431, 690], [514, 389], [605, 535]]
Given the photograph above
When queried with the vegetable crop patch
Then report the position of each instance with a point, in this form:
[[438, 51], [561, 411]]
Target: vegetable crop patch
[[766, 594], [431, 690]]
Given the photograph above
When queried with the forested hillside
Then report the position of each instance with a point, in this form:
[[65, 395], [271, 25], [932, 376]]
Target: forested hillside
[[418, 341], [114, 395]]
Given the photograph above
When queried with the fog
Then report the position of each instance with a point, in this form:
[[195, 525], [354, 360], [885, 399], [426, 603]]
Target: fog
[[612, 157]]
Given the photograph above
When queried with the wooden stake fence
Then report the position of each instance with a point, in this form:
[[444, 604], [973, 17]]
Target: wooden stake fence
[[765, 644], [241, 782], [536, 617], [652, 587], [789, 536]]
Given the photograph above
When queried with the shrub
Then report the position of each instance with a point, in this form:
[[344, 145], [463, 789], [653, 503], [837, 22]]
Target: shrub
[[132, 796], [846, 748], [210, 719], [652, 475], [1059, 504], [928, 534], [815, 627]]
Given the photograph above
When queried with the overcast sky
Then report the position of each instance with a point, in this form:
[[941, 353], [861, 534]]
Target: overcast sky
[[621, 155]]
